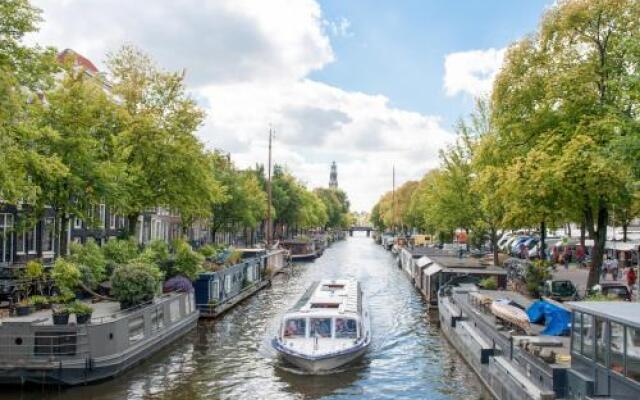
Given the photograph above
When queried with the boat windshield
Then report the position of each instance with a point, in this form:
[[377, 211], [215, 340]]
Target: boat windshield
[[295, 328], [320, 327], [346, 328]]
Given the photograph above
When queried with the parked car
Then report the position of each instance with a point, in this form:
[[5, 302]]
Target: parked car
[[514, 250], [618, 289], [560, 290]]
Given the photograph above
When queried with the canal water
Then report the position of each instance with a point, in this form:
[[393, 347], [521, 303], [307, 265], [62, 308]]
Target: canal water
[[230, 358]]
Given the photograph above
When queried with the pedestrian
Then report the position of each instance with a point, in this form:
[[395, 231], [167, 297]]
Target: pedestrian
[[526, 252], [567, 257], [580, 255], [605, 269], [613, 268], [631, 277], [554, 255]]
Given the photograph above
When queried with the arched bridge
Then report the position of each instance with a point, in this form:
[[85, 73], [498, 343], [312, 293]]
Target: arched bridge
[[354, 228]]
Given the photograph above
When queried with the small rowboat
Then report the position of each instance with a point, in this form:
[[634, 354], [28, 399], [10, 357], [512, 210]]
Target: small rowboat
[[511, 314]]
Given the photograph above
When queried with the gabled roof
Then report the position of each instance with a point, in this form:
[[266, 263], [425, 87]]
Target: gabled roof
[[80, 60]]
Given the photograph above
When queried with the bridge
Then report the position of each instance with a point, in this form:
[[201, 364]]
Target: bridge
[[362, 228]]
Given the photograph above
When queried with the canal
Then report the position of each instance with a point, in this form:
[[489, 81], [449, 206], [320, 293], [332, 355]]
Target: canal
[[230, 358]]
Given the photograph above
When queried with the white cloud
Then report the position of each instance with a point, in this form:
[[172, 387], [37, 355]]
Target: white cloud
[[248, 63], [340, 28], [471, 72]]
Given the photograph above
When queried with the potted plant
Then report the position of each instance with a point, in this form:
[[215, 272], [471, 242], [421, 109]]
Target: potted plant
[[82, 311], [60, 315], [40, 302], [135, 284], [24, 307]]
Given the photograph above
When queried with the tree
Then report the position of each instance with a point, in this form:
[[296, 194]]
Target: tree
[[336, 205], [166, 165]]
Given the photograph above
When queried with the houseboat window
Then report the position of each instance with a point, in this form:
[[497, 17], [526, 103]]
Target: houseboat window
[[157, 318], [346, 328], [227, 284], [633, 353], [587, 335], [48, 235], [174, 310], [320, 327], [616, 353], [601, 346], [295, 328], [324, 305], [214, 290], [136, 329], [576, 333], [55, 343]]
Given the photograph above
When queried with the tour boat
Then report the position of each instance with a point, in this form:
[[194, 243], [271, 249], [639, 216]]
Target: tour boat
[[328, 327]]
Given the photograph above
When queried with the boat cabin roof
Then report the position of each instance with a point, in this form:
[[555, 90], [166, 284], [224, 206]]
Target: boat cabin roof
[[618, 311], [330, 298]]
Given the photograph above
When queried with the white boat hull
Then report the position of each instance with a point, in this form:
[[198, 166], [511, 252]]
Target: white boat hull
[[323, 363]]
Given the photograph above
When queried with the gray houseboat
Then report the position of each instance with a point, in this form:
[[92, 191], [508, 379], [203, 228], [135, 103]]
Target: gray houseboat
[[34, 350], [605, 351], [300, 249]]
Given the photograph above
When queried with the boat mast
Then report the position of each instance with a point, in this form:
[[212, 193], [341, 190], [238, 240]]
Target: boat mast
[[269, 192]]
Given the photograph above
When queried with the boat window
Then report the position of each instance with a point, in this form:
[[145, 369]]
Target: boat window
[[332, 286], [616, 351], [324, 305], [601, 334], [587, 335], [295, 328], [214, 290], [346, 328], [136, 329], [227, 284], [174, 310], [576, 333], [633, 353], [320, 327], [157, 318], [55, 343]]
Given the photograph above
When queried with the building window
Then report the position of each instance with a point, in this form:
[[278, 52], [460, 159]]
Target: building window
[[6, 238], [616, 352], [112, 221], [48, 235], [633, 353], [103, 215], [587, 336], [77, 223], [601, 345], [30, 238]]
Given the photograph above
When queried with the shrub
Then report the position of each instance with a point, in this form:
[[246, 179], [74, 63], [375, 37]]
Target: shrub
[[79, 308], [118, 252], [62, 298], [208, 251], [186, 261], [178, 284], [234, 257], [66, 275], [90, 261], [156, 252], [537, 273], [135, 283], [39, 300], [490, 283], [34, 270]]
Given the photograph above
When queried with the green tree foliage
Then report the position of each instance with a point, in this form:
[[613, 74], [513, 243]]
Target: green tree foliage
[[336, 204], [186, 261], [90, 260], [165, 163], [244, 202]]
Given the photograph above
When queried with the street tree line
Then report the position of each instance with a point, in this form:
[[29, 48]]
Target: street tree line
[[71, 139], [556, 142]]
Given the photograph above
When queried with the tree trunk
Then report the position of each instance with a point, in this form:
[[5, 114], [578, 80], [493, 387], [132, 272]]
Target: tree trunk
[[543, 240], [625, 227], [63, 241], [599, 240], [494, 246], [133, 221], [582, 233]]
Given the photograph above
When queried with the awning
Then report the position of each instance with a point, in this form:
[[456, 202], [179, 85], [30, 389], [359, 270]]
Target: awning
[[434, 269], [423, 261]]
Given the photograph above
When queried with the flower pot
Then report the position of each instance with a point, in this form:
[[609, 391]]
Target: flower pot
[[21, 311], [83, 318], [60, 319]]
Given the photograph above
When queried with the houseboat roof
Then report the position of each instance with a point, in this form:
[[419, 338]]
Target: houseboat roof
[[617, 311], [334, 296]]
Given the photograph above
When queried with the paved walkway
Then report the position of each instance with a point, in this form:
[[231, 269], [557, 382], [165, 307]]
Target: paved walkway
[[579, 277]]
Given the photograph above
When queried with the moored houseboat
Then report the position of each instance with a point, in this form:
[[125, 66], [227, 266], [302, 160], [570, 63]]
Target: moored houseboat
[[35, 350], [300, 249], [328, 327]]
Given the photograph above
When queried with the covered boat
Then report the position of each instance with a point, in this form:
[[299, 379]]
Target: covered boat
[[301, 249], [328, 327]]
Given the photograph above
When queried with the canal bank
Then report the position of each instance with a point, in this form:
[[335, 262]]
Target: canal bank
[[229, 358]]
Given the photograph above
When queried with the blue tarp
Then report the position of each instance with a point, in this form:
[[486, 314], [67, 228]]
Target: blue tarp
[[557, 320]]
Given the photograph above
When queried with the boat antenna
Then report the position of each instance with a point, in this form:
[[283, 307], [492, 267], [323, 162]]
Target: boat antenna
[[271, 135]]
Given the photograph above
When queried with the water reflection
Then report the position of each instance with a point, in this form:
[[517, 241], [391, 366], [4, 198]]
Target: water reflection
[[231, 358]]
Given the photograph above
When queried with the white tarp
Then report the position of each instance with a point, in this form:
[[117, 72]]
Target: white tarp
[[423, 261], [434, 269]]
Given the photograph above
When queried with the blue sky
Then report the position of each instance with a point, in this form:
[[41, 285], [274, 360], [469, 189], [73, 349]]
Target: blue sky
[[369, 84], [397, 48]]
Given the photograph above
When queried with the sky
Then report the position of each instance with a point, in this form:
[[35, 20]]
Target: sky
[[368, 84]]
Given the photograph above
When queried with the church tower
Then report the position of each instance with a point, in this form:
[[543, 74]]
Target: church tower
[[333, 176]]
